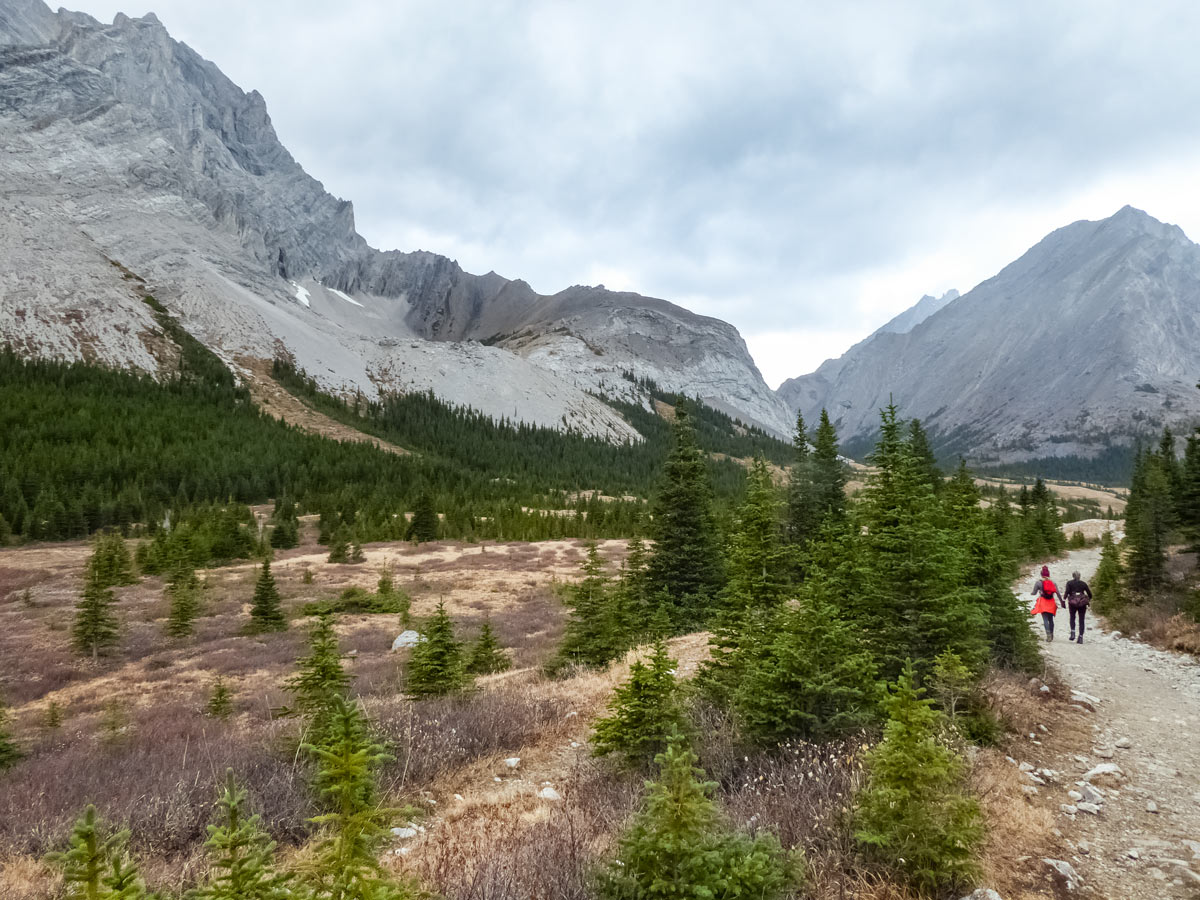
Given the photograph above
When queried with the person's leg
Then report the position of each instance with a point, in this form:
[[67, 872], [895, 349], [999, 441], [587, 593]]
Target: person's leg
[[1082, 613], [1073, 612], [1048, 624]]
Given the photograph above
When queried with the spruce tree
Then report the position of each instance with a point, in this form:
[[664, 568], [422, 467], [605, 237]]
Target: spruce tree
[[802, 514], [9, 751], [436, 666], [914, 815], [1106, 585], [1149, 516], [686, 567], [320, 680], [814, 679], [339, 547], [110, 563], [95, 867], [923, 456], [424, 525], [286, 533], [829, 472], [644, 713], [183, 593], [913, 603], [95, 630], [220, 703], [356, 552], [988, 571], [1187, 501], [677, 847], [242, 854], [346, 864], [595, 635], [266, 610], [487, 656]]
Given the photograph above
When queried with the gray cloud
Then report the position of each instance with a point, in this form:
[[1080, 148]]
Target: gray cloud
[[786, 166]]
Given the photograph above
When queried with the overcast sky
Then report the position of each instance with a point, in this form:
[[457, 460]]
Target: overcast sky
[[804, 170]]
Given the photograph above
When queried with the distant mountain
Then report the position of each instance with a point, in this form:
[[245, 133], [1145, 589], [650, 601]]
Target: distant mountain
[[915, 314], [1089, 341], [133, 165]]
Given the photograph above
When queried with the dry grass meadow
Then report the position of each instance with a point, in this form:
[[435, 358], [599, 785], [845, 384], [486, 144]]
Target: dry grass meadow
[[135, 741]]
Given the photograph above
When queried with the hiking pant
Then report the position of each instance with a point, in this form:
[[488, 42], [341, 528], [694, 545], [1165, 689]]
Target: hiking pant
[[1048, 622], [1082, 612]]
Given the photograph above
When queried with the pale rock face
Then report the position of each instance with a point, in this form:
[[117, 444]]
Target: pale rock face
[[1090, 339], [122, 144]]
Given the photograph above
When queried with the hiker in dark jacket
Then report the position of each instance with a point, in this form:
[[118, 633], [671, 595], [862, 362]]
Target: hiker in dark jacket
[[1079, 595]]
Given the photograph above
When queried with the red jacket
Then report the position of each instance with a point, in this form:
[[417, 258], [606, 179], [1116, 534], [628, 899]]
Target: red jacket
[[1044, 603]]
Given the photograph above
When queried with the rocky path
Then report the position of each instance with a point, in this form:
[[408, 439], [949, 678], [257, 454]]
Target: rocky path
[[1135, 830]]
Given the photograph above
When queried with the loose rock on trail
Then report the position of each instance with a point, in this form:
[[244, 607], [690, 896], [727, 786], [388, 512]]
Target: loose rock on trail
[[1128, 799]]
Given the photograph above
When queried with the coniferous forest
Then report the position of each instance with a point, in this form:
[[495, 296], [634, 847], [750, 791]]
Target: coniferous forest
[[84, 448]]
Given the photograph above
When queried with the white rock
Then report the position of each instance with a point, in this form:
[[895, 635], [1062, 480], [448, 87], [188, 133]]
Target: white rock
[[549, 793], [1091, 794], [1066, 871], [1123, 743], [1026, 767], [513, 762], [1151, 806], [1104, 770], [408, 638], [1075, 796], [1086, 807], [1133, 853], [402, 833], [1084, 847], [983, 894], [1068, 809]]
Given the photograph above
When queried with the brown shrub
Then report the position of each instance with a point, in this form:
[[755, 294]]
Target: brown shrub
[[158, 776], [431, 738]]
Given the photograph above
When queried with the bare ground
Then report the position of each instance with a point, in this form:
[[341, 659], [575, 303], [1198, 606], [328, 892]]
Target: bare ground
[[1141, 713]]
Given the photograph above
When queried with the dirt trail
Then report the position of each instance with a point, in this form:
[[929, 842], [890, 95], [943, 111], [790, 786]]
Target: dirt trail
[[1144, 840]]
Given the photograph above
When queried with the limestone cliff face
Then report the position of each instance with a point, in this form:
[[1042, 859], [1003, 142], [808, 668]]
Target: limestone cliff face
[[122, 144], [1089, 339]]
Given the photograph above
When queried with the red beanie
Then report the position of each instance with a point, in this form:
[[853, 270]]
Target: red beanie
[[1045, 571]]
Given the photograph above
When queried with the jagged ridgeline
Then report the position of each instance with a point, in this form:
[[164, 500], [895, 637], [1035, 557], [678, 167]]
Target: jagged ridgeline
[[84, 448]]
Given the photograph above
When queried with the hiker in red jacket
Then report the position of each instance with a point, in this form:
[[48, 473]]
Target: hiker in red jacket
[[1047, 592]]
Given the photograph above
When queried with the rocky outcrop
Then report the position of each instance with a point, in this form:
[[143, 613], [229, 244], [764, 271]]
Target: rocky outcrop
[[1090, 339], [127, 145]]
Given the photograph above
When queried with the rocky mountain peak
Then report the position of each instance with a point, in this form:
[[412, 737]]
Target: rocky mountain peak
[[1090, 339], [128, 146]]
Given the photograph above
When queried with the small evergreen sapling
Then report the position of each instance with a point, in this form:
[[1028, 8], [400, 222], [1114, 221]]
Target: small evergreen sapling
[[54, 716], [183, 592], [645, 712], [9, 751], [487, 656], [266, 610], [95, 867], [220, 703], [320, 680], [914, 815], [242, 854], [436, 666], [95, 630], [356, 552], [678, 849], [339, 547], [346, 865]]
